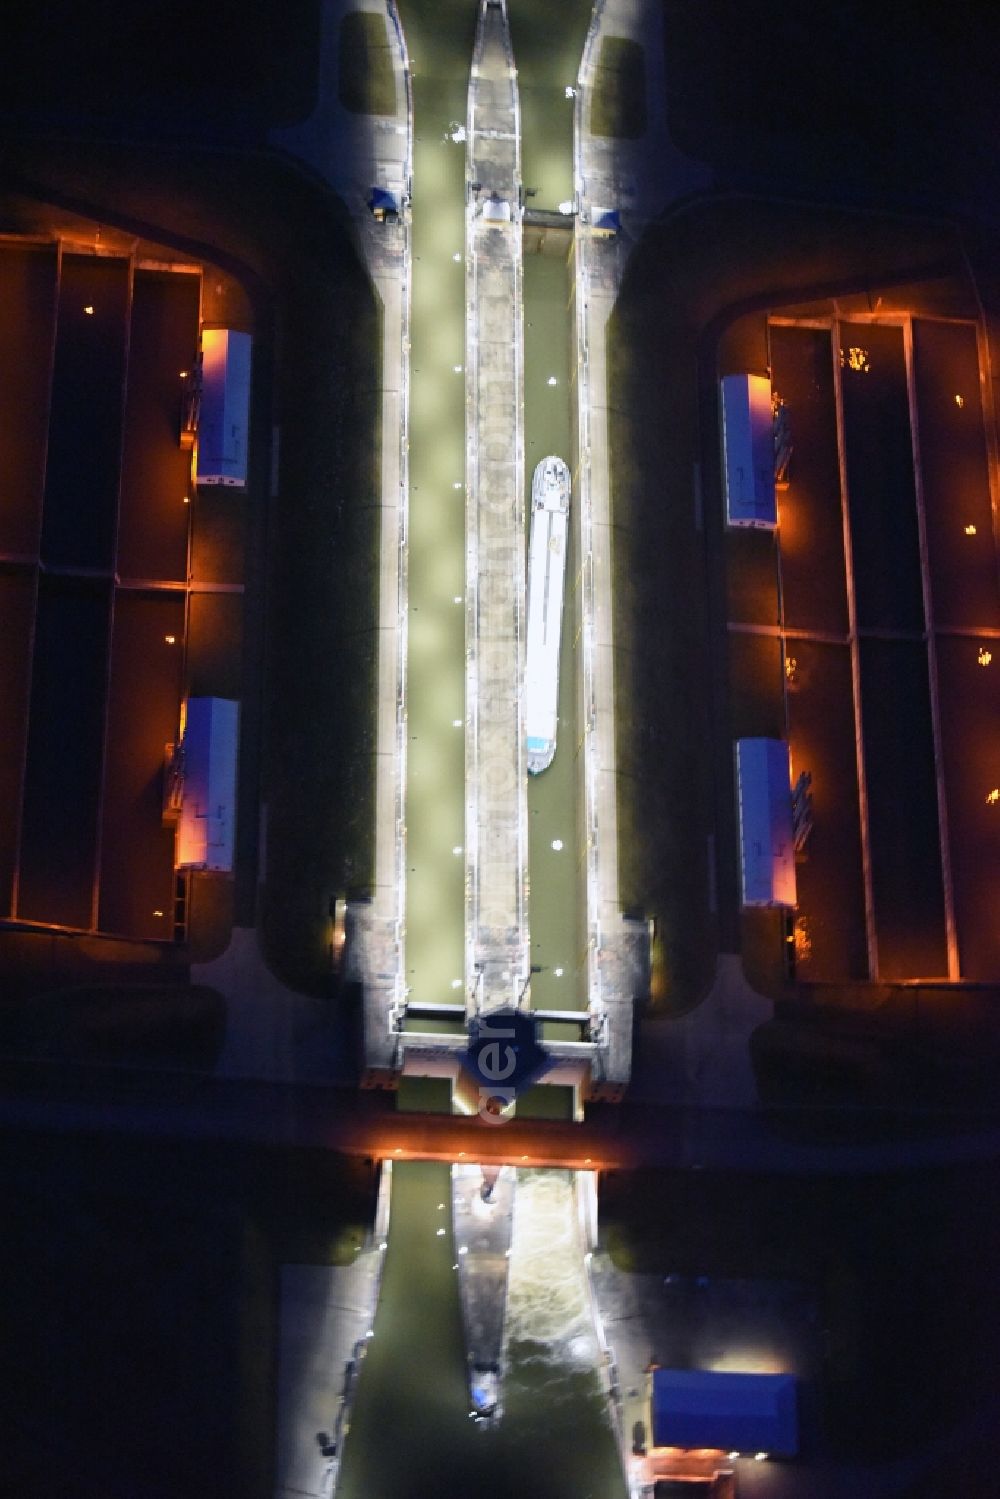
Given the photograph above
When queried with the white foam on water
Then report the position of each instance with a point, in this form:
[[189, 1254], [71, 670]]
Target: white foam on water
[[548, 1303]]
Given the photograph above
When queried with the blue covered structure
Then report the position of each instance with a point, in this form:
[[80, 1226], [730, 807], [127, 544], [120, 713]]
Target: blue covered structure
[[384, 205], [748, 451], [606, 222], [767, 837], [206, 833], [732, 1412], [224, 408]]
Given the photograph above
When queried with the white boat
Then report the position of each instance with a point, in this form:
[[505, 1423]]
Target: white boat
[[550, 489]]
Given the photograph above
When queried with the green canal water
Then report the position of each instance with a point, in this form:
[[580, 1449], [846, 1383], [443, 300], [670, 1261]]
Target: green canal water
[[555, 857], [548, 40], [439, 39]]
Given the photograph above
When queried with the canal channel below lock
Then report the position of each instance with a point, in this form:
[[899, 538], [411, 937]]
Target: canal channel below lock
[[410, 1429]]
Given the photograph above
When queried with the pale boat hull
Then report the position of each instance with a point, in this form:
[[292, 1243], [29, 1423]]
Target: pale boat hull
[[550, 495]]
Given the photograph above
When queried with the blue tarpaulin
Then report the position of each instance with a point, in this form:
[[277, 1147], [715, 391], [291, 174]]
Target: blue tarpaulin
[[606, 220], [382, 202]]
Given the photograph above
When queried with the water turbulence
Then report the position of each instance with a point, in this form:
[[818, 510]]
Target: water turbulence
[[550, 1331]]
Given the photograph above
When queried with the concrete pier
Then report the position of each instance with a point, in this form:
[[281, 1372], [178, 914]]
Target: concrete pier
[[482, 1216]]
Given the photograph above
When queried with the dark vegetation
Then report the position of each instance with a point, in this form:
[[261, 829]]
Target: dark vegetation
[[619, 100], [227, 67], [366, 84], [155, 1025], [855, 102], [320, 729], [885, 1047], [141, 1281]]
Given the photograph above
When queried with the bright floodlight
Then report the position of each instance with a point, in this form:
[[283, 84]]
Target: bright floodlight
[[557, 844]]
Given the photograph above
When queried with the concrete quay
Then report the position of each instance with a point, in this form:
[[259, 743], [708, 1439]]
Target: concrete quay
[[482, 1202], [497, 947]]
